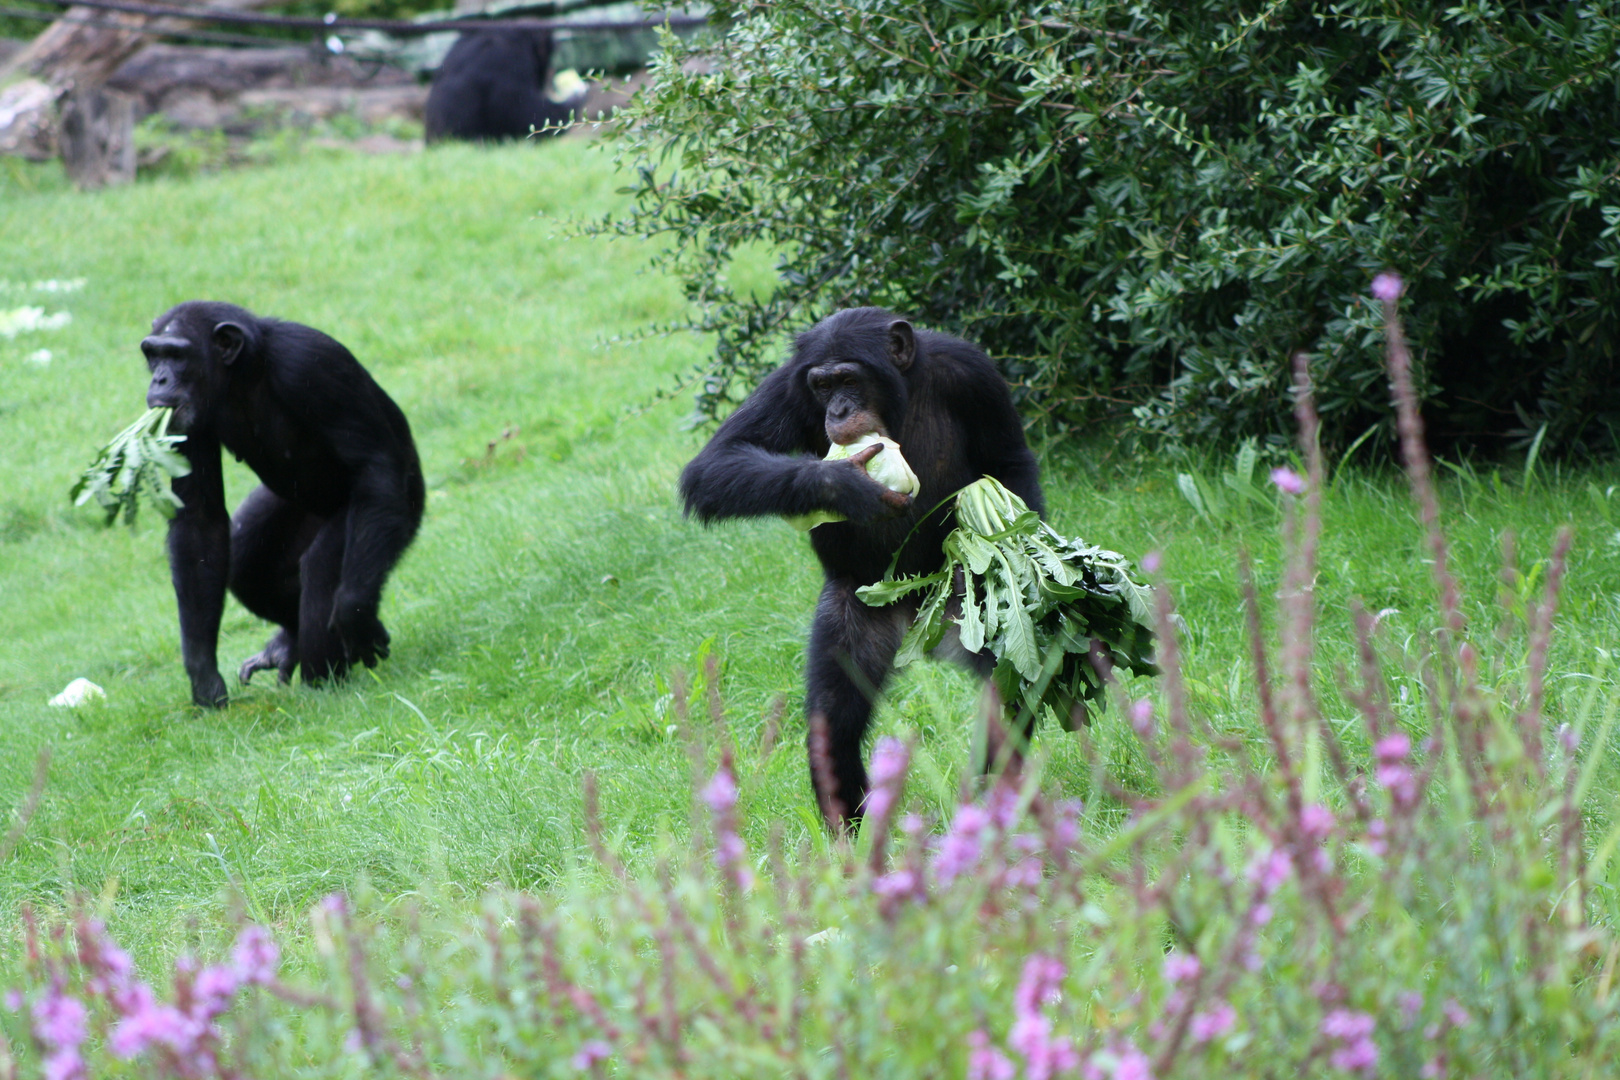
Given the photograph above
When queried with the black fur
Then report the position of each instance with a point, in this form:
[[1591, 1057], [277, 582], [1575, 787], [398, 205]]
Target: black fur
[[341, 498], [951, 413], [492, 86]]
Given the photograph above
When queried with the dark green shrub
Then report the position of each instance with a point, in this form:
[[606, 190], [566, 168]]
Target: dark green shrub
[[1149, 206]]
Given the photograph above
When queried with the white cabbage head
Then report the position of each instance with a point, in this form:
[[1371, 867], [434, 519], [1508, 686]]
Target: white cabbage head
[[887, 467]]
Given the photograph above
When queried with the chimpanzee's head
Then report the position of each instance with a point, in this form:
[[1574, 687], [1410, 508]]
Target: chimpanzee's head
[[854, 364], [191, 352]]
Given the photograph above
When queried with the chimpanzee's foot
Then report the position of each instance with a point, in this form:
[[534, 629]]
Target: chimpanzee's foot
[[280, 655]]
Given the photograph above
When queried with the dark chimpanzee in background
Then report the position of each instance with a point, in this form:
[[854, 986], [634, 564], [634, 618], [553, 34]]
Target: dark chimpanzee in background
[[853, 373], [492, 85], [341, 497]]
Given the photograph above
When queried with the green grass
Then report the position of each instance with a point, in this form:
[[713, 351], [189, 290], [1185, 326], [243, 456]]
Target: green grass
[[554, 588]]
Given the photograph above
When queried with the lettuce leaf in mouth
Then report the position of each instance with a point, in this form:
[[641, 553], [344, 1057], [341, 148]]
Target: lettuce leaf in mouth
[[133, 468], [1036, 598]]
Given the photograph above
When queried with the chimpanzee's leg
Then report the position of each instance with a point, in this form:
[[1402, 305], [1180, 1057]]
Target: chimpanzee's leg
[[268, 537], [320, 648], [852, 649]]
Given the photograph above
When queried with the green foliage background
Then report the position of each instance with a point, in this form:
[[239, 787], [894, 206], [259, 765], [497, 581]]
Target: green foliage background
[[1145, 208]]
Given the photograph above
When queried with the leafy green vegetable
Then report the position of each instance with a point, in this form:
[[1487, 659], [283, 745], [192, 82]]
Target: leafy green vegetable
[[1035, 597], [133, 466]]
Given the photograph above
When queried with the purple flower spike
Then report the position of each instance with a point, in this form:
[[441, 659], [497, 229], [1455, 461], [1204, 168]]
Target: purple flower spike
[[1180, 967], [589, 1054], [1388, 286], [985, 1062], [255, 956], [1142, 717], [1212, 1024], [1288, 480], [1352, 1031], [721, 792], [59, 1021], [1316, 821]]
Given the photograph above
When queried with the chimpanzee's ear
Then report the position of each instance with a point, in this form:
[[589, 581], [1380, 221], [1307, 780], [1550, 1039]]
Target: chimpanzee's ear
[[229, 339], [902, 344]]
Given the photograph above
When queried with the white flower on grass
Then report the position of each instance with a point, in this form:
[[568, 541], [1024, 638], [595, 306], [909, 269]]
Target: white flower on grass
[[41, 357], [27, 319], [63, 285]]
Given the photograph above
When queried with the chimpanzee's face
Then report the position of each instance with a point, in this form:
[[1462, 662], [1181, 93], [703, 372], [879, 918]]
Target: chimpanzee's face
[[851, 398], [176, 363], [190, 358]]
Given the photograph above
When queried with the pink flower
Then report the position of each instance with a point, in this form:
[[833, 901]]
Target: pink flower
[[1270, 871], [1393, 747], [1181, 967], [59, 1023], [1388, 286], [1288, 480], [109, 966], [1142, 717], [1391, 770], [1411, 1003], [1122, 1063], [1377, 832], [1044, 1054], [157, 1025], [1359, 1056], [720, 793], [255, 956], [1212, 1024], [985, 1062], [1133, 1065], [1456, 1014], [212, 992], [1041, 981], [889, 761], [901, 884], [1346, 1024], [64, 1065], [960, 847], [59, 1020], [590, 1053], [1151, 562], [1316, 821], [1352, 1031]]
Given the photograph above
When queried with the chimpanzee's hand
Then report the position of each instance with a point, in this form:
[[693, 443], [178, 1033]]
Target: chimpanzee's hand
[[859, 497], [208, 689], [365, 639]]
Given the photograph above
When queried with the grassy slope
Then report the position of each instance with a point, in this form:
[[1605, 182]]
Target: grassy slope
[[554, 587]]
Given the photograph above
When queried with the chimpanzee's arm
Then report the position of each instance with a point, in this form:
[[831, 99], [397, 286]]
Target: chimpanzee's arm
[[993, 433], [200, 564], [765, 460]]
